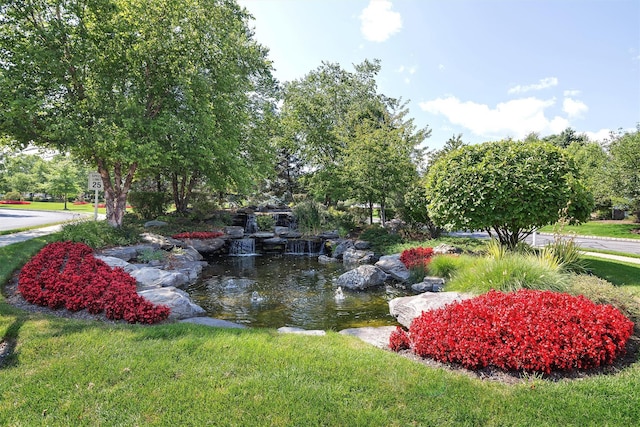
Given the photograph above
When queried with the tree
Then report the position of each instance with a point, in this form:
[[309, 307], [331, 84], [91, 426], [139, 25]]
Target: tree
[[624, 167], [64, 179], [380, 157], [315, 115], [130, 84], [450, 144], [592, 161], [566, 138], [507, 188]]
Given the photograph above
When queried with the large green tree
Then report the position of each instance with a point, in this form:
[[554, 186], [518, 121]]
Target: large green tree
[[507, 188], [624, 168], [123, 85]]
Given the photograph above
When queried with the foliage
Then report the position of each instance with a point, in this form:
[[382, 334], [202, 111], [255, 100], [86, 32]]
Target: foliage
[[265, 222], [567, 254], [513, 271], [198, 235], [507, 188], [64, 179], [149, 204], [148, 255], [13, 196], [309, 216], [99, 234], [66, 274], [379, 238], [178, 87], [416, 257], [447, 265], [528, 330], [399, 340], [601, 291], [625, 168]]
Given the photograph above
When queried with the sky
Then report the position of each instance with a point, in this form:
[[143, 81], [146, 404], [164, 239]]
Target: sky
[[486, 69]]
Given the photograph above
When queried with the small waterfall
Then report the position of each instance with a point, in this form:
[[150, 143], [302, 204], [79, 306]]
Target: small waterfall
[[251, 225], [296, 247], [242, 247]]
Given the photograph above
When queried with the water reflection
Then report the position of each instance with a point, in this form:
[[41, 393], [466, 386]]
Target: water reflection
[[275, 291]]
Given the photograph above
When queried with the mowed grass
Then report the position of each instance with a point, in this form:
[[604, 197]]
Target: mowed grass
[[619, 229], [60, 372], [54, 206], [623, 274]]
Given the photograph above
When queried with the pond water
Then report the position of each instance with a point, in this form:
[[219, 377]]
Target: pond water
[[284, 290]]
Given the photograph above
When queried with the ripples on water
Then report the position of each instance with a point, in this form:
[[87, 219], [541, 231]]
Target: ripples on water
[[275, 291]]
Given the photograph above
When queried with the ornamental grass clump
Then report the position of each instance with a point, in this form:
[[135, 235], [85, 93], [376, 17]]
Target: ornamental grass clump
[[66, 274], [527, 331]]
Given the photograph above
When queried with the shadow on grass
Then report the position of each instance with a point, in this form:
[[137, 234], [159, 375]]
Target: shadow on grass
[[8, 356]]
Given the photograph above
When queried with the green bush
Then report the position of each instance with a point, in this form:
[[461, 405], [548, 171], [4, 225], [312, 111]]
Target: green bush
[[447, 266], [310, 216], [601, 291], [341, 220], [149, 204], [99, 234], [13, 195], [265, 222], [379, 238], [511, 272]]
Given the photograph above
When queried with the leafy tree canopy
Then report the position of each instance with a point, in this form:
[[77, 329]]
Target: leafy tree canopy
[[507, 188]]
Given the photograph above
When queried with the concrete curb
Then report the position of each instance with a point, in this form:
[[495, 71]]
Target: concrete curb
[[619, 239]]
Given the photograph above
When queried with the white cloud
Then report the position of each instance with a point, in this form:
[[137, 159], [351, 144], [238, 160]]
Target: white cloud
[[574, 108], [441, 67], [412, 70], [542, 84], [378, 21], [571, 93], [515, 118], [600, 136]]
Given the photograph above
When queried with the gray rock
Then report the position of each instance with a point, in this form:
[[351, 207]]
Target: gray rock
[[363, 277], [326, 235], [151, 277], [274, 241], [215, 323], [353, 256], [114, 262], [293, 235], [446, 249], [125, 253], [281, 231], [405, 309], [362, 245], [338, 249], [300, 331], [154, 223], [263, 235], [178, 301], [161, 241], [205, 246], [429, 284], [378, 337], [392, 265], [191, 269], [323, 259], [188, 254], [234, 232]]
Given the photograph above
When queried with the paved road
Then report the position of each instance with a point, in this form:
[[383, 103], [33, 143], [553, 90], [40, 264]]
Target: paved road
[[13, 219], [618, 245]]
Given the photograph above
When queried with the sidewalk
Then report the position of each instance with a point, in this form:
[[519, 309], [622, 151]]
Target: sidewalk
[[22, 236], [612, 257]]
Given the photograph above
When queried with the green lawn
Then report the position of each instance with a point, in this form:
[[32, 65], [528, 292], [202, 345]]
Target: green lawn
[[60, 372], [621, 229], [623, 274], [54, 206]]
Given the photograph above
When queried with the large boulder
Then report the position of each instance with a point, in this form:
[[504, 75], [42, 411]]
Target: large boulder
[[161, 241], [363, 277], [115, 262], [429, 284], [444, 249], [234, 232], [339, 247], [405, 309], [177, 300], [392, 265], [354, 256], [151, 277], [205, 246]]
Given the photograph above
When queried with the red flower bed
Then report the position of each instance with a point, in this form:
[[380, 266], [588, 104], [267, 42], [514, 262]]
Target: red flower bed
[[14, 202], [416, 257], [399, 340], [66, 274], [80, 203], [198, 235], [527, 330]]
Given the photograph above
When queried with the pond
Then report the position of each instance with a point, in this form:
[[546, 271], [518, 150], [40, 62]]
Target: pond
[[272, 291]]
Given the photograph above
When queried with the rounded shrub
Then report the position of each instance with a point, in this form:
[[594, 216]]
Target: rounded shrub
[[527, 330]]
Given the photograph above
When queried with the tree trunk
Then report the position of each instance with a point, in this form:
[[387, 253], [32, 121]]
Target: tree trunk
[[370, 213], [182, 189], [115, 193], [383, 214]]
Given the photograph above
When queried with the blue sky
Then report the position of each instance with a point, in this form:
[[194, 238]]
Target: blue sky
[[488, 69]]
